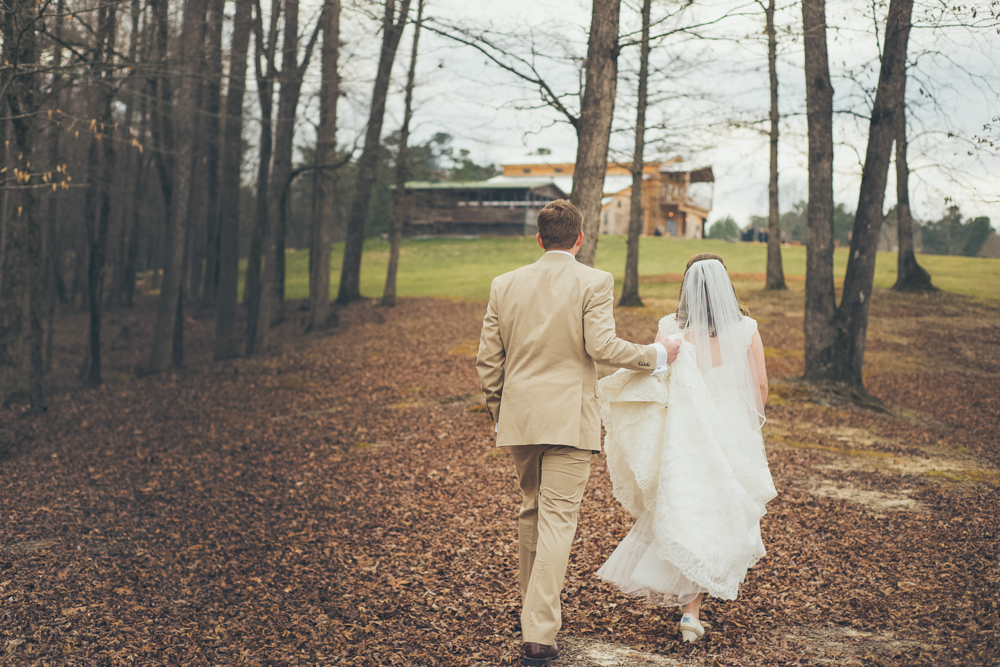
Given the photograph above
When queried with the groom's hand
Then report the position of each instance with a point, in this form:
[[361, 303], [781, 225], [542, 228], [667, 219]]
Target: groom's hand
[[672, 346]]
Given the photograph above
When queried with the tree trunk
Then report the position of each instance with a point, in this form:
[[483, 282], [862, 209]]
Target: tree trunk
[[852, 315], [252, 281], [820, 304], [212, 104], [350, 273], [161, 90], [80, 247], [630, 288], [36, 302], [101, 174], [22, 281], [265, 94], [36, 297], [775, 270], [177, 343], [139, 180], [593, 128], [229, 177], [13, 289], [184, 123], [910, 276], [52, 249], [280, 235], [129, 170], [197, 216], [6, 165], [159, 93], [51, 244], [98, 211], [399, 204], [271, 297], [324, 190]]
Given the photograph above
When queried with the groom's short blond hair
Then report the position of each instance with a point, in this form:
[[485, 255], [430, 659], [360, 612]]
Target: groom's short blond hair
[[559, 225]]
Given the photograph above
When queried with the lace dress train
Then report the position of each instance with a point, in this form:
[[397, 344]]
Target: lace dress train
[[635, 569], [685, 463]]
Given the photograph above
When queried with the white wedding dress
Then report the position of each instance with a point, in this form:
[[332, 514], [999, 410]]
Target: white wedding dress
[[686, 458]]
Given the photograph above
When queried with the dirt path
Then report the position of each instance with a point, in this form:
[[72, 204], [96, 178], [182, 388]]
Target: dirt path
[[341, 503]]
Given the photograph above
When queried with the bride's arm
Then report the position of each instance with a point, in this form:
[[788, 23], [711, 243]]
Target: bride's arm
[[757, 352]]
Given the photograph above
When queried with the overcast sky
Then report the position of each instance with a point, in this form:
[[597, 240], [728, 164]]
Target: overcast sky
[[708, 94]]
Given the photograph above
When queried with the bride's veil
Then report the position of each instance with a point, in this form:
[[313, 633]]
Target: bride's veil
[[710, 318]]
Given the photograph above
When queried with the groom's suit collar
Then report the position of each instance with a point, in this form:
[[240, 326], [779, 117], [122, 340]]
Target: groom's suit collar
[[557, 256]]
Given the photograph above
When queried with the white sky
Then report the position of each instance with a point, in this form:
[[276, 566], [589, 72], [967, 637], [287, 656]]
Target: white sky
[[708, 96]]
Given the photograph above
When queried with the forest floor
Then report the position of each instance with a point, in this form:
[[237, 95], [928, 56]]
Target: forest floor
[[340, 502]]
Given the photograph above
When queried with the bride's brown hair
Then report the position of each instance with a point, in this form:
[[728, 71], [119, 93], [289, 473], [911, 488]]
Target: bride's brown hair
[[682, 316]]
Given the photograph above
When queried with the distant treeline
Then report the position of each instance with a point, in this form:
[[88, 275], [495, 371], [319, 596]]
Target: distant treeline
[[950, 235]]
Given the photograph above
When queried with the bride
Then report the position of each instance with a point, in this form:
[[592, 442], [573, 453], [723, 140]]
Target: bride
[[686, 456]]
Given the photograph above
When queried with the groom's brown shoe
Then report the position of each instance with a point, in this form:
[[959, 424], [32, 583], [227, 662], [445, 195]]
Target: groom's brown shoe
[[537, 655]]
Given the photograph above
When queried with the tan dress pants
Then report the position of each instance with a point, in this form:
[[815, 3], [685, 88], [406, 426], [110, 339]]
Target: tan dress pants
[[552, 480]]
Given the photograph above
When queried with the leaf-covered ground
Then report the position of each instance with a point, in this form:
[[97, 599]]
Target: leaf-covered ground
[[340, 502]]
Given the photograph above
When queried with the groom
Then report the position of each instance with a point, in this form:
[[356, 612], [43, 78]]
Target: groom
[[546, 325]]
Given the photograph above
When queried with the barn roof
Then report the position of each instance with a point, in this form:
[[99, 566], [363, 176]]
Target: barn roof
[[512, 184]]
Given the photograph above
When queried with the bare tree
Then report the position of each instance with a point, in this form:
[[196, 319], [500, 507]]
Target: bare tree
[[198, 214], [326, 180], [229, 185], [820, 305], [399, 201], [393, 23], [630, 287], [165, 350], [20, 263], [856, 300], [910, 276], [211, 126], [775, 270], [266, 75], [291, 75], [100, 173], [129, 172], [835, 354], [160, 91], [52, 243], [593, 128]]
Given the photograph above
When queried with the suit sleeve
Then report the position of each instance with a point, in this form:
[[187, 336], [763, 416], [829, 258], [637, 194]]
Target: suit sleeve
[[602, 343], [491, 358]]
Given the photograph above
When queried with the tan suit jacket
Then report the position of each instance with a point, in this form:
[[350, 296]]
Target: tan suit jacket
[[545, 327]]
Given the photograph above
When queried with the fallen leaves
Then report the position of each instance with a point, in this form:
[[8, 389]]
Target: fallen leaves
[[314, 508]]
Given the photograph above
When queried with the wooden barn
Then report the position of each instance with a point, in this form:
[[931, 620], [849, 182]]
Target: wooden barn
[[473, 208], [676, 198]]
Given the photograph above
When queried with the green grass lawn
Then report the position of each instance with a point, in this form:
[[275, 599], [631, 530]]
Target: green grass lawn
[[463, 268]]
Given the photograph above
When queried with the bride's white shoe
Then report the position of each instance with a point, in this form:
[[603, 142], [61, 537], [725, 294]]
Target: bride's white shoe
[[691, 628]]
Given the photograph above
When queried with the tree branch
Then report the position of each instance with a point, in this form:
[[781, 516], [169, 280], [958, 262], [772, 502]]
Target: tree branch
[[534, 77]]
